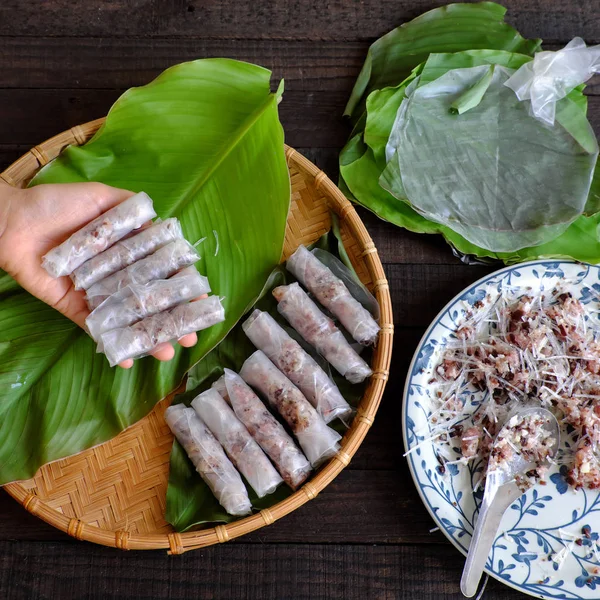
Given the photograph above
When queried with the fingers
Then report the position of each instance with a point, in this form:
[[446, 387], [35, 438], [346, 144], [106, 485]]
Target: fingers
[[189, 340], [163, 352], [126, 364]]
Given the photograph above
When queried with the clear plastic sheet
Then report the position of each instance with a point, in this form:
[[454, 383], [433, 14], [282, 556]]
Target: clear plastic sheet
[[138, 301], [499, 177], [99, 234], [243, 451], [334, 295], [139, 339], [267, 335], [160, 265], [210, 460], [550, 76], [126, 252], [318, 441], [319, 331], [266, 430]]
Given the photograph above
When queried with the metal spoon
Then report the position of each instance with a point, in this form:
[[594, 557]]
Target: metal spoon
[[501, 490]]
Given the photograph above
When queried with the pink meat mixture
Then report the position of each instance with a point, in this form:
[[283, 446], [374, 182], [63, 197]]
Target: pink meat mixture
[[539, 350]]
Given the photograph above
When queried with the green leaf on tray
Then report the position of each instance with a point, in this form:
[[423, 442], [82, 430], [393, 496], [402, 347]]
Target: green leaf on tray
[[451, 28], [190, 503], [205, 142]]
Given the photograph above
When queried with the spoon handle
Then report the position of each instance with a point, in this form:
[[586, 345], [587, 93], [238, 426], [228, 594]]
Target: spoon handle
[[490, 515]]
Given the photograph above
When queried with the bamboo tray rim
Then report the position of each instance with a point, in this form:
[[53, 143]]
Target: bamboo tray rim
[[21, 171]]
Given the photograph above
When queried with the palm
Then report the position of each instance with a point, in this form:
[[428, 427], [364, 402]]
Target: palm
[[40, 218]]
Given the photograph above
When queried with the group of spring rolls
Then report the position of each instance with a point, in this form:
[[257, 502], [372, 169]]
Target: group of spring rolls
[[229, 431], [140, 282]]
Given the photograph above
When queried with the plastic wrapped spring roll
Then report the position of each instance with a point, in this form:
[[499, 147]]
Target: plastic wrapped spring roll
[[99, 234], [208, 457], [333, 294], [317, 440], [267, 335], [220, 386], [240, 446], [136, 302], [126, 252], [160, 265], [266, 430], [139, 339], [318, 330]]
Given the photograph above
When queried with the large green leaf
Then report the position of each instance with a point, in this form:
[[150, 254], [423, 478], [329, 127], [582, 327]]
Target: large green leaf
[[190, 502], [204, 140], [451, 28]]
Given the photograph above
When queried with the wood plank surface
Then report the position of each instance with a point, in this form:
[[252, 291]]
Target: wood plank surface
[[265, 19], [74, 571], [366, 536], [315, 65]]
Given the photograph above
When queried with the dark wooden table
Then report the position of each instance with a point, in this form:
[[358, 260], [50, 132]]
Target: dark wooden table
[[63, 62]]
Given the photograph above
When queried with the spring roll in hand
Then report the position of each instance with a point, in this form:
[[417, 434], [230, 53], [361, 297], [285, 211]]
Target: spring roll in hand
[[139, 339], [98, 235], [333, 294], [240, 446], [208, 457], [135, 302], [318, 441], [161, 265], [126, 252], [266, 430], [319, 331], [267, 335]]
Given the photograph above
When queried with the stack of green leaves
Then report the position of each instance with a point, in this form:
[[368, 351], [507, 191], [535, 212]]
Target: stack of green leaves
[[410, 60]]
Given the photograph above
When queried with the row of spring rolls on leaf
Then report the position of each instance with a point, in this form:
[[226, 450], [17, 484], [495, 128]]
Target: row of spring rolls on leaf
[[229, 431], [138, 278], [229, 427]]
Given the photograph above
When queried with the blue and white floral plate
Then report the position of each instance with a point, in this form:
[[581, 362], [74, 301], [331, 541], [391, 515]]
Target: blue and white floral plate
[[547, 545]]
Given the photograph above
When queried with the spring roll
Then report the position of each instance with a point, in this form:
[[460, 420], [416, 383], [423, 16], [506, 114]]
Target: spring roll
[[98, 235], [266, 430], [317, 440], [126, 252], [135, 302], [267, 335], [240, 446], [160, 265], [319, 331], [210, 460], [333, 294], [220, 386], [139, 339]]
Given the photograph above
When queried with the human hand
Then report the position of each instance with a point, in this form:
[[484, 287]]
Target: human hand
[[35, 220]]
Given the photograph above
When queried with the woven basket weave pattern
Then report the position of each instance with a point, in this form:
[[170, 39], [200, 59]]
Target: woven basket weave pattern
[[114, 494]]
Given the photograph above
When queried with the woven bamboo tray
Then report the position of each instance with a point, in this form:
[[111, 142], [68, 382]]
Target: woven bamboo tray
[[114, 494]]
